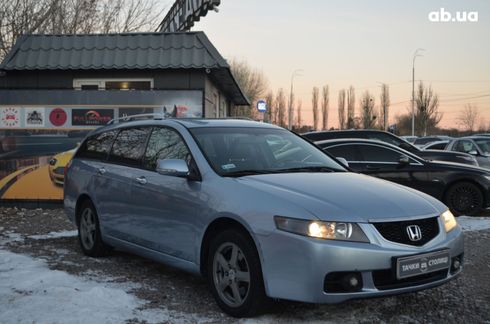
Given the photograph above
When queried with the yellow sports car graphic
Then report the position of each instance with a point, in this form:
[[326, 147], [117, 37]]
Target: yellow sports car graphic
[[57, 166]]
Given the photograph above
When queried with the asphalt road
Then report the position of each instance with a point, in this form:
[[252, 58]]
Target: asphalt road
[[463, 300]]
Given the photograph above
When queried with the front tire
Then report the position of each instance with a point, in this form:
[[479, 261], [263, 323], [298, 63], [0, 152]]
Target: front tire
[[464, 198], [235, 274], [89, 231]]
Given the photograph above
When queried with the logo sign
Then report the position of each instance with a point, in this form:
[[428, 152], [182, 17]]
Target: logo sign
[[58, 117], [34, 117], [261, 105], [459, 16], [10, 117], [414, 233], [91, 117], [184, 13]]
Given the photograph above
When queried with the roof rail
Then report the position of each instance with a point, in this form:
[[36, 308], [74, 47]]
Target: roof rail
[[158, 116]]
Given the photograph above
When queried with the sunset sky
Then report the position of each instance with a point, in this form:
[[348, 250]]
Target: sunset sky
[[360, 43]]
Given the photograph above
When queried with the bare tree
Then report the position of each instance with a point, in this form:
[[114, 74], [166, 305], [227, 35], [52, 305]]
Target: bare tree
[[314, 102], [427, 105], [367, 111], [384, 106], [299, 120], [269, 114], [325, 101], [351, 106], [252, 81], [468, 117], [20, 17], [341, 104], [281, 108]]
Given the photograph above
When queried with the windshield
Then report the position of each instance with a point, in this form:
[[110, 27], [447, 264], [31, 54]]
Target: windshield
[[483, 145], [248, 151]]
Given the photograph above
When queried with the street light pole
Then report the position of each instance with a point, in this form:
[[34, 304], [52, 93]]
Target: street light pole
[[290, 109], [415, 55]]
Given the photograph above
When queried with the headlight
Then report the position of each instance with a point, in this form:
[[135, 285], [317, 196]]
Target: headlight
[[323, 230], [449, 221]]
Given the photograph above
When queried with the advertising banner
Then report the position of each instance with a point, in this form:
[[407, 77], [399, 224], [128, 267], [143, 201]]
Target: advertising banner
[[36, 143]]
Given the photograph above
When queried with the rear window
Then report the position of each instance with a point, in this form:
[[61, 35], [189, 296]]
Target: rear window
[[129, 145], [97, 146]]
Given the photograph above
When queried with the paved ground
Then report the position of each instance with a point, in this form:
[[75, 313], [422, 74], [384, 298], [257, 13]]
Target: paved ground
[[466, 299]]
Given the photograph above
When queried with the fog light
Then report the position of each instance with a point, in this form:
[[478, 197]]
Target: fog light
[[456, 264], [353, 282]]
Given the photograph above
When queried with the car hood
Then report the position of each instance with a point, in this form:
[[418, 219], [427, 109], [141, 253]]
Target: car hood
[[345, 196]]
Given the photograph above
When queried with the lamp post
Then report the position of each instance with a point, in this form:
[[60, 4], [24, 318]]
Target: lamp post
[[415, 55], [290, 110]]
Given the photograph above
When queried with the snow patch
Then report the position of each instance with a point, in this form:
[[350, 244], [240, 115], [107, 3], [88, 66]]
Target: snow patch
[[52, 235], [31, 292], [474, 223]]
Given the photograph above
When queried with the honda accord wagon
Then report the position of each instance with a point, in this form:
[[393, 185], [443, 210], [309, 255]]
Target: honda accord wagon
[[258, 211]]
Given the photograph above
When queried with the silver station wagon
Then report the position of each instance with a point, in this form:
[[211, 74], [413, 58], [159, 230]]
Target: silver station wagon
[[257, 210]]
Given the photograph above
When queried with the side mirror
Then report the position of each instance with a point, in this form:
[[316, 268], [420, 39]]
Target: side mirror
[[404, 160], [175, 168], [474, 152], [343, 161]]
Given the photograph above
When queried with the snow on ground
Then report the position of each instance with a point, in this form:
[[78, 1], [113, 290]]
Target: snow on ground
[[474, 223], [51, 235], [31, 292]]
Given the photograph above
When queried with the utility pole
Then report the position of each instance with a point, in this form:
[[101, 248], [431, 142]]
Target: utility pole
[[415, 55], [290, 109]]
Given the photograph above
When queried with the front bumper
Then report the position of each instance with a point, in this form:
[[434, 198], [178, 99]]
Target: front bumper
[[295, 267]]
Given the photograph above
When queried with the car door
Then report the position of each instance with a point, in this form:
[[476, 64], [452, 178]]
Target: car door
[[385, 163], [95, 151], [166, 209], [113, 187]]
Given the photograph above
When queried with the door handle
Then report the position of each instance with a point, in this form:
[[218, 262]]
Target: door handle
[[102, 170], [141, 180]]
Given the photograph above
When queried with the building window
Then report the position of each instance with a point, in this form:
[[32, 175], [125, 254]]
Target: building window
[[113, 84]]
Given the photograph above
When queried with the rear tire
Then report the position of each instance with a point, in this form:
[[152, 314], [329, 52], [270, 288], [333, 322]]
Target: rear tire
[[234, 274], [89, 231], [464, 198]]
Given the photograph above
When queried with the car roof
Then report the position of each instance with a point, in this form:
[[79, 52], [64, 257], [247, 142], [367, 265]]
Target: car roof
[[472, 137], [187, 123], [347, 131]]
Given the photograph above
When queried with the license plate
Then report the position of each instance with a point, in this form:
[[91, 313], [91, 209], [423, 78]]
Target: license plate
[[422, 263]]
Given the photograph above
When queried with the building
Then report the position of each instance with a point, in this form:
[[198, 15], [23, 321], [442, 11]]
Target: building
[[61, 86]]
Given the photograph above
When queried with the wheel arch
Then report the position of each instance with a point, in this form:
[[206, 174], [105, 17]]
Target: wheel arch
[[220, 224], [469, 180], [81, 199]]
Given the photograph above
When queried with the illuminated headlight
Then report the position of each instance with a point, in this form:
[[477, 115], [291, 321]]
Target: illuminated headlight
[[323, 230], [449, 221]]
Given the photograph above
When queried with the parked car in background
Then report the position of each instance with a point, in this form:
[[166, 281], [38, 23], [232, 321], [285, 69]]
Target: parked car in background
[[257, 210], [439, 145], [477, 146], [421, 141], [465, 189], [389, 138], [409, 138]]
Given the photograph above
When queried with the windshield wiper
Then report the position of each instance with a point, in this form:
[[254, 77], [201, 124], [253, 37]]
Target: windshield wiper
[[307, 169]]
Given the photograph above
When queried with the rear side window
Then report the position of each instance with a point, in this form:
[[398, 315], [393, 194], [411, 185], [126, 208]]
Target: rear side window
[[129, 145], [165, 143], [372, 153], [97, 146]]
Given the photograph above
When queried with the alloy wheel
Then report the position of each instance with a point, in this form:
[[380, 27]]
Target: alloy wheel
[[87, 229], [231, 274]]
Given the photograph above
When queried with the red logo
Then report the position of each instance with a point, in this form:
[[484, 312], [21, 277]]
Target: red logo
[[58, 117]]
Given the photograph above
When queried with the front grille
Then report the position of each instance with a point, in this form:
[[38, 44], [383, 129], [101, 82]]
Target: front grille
[[397, 231], [386, 279]]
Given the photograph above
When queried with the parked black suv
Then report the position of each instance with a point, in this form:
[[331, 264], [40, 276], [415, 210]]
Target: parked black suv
[[389, 138]]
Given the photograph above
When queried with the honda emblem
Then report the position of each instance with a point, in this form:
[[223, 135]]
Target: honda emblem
[[414, 233]]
